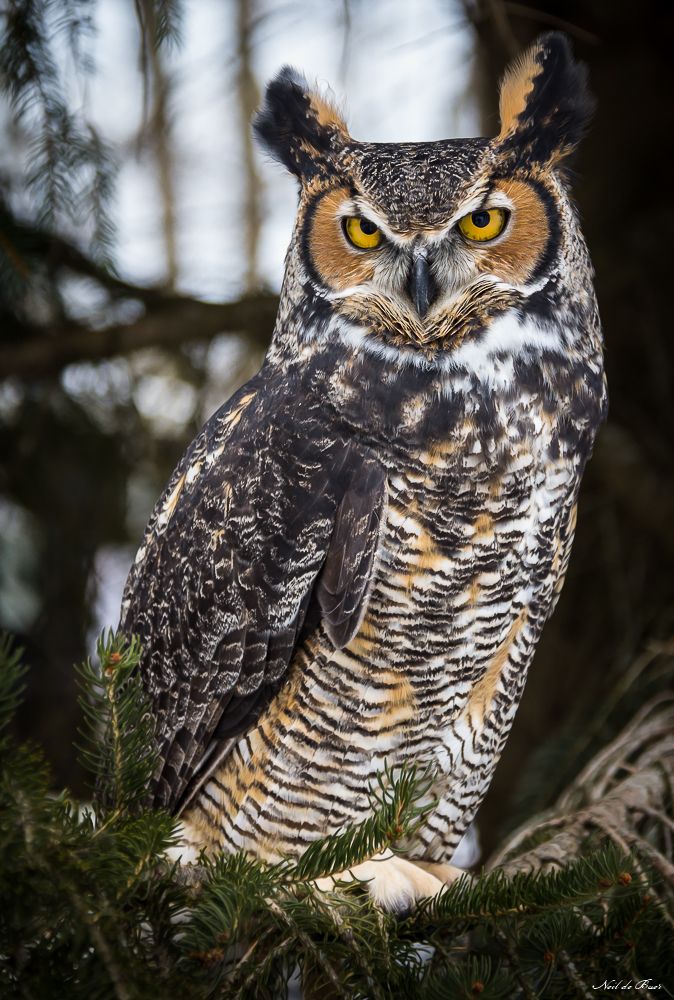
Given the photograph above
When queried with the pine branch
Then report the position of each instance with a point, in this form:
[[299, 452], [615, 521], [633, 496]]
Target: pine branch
[[497, 895], [70, 168], [478, 976]]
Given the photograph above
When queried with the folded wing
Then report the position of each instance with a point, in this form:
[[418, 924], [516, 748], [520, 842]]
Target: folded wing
[[269, 525]]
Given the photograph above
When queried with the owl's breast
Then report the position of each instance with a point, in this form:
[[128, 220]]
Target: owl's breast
[[469, 564], [469, 557]]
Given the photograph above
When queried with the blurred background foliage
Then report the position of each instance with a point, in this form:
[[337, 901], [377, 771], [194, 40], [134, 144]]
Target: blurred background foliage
[[141, 248]]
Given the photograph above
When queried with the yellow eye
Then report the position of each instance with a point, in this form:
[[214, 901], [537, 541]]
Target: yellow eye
[[484, 225], [362, 233]]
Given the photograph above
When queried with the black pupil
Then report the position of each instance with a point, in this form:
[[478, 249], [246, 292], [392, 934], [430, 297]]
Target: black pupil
[[480, 219], [367, 227]]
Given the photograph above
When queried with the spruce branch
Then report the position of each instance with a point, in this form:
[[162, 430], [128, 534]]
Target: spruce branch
[[311, 949], [91, 900], [478, 976], [168, 22], [398, 809], [497, 896], [118, 745], [70, 170]]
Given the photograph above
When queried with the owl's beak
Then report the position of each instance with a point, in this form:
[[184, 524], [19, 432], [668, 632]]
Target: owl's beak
[[421, 286]]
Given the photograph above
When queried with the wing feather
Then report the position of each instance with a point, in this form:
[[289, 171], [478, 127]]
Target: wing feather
[[347, 572], [270, 523]]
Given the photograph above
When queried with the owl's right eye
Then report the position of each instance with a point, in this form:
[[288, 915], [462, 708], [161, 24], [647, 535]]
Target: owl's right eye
[[362, 233]]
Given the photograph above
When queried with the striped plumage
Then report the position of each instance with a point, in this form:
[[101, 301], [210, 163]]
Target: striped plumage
[[353, 562]]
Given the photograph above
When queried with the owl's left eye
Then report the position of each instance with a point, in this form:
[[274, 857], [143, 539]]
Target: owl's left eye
[[484, 225], [362, 233]]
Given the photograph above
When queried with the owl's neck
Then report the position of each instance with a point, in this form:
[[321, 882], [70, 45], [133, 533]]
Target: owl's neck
[[546, 359]]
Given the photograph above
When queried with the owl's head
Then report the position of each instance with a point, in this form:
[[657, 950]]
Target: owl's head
[[421, 248]]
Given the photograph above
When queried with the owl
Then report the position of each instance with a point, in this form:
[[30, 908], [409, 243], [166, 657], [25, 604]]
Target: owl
[[353, 562]]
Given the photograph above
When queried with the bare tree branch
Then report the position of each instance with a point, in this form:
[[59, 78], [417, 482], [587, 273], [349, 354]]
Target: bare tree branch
[[171, 321], [24, 243], [248, 98], [161, 136], [545, 17], [624, 793]]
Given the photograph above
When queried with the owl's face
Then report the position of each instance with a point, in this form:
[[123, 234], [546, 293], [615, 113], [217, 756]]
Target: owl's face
[[422, 247]]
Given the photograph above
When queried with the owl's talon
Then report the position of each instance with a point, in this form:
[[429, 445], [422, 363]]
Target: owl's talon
[[393, 883], [446, 873]]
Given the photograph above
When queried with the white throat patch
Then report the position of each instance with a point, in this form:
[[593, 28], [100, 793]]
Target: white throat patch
[[490, 358]]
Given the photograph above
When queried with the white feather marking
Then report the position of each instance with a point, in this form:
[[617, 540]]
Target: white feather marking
[[509, 335], [491, 358], [192, 472]]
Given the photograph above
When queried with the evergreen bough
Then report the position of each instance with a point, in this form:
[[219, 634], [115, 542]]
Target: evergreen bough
[[92, 908]]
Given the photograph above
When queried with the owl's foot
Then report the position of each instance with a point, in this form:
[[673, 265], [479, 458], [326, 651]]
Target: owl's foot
[[395, 884], [446, 873], [187, 849]]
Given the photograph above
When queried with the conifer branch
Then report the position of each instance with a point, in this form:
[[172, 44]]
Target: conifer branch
[[398, 810], [113, 967], [118, 744], [499, 896], [102, 899]]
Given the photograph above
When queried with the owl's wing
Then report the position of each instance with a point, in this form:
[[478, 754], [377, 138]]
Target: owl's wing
[[270, 523]]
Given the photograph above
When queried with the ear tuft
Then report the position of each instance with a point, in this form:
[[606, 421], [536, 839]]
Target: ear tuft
[[545, 104], [297, 125]]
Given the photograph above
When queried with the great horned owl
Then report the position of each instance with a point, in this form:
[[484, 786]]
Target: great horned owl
[[352, 564]]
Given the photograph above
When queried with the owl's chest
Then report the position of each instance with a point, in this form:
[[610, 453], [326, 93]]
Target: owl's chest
[[468, 561], [459, 516]]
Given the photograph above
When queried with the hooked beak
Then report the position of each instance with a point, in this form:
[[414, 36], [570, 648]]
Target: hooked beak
[[421, 286]]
